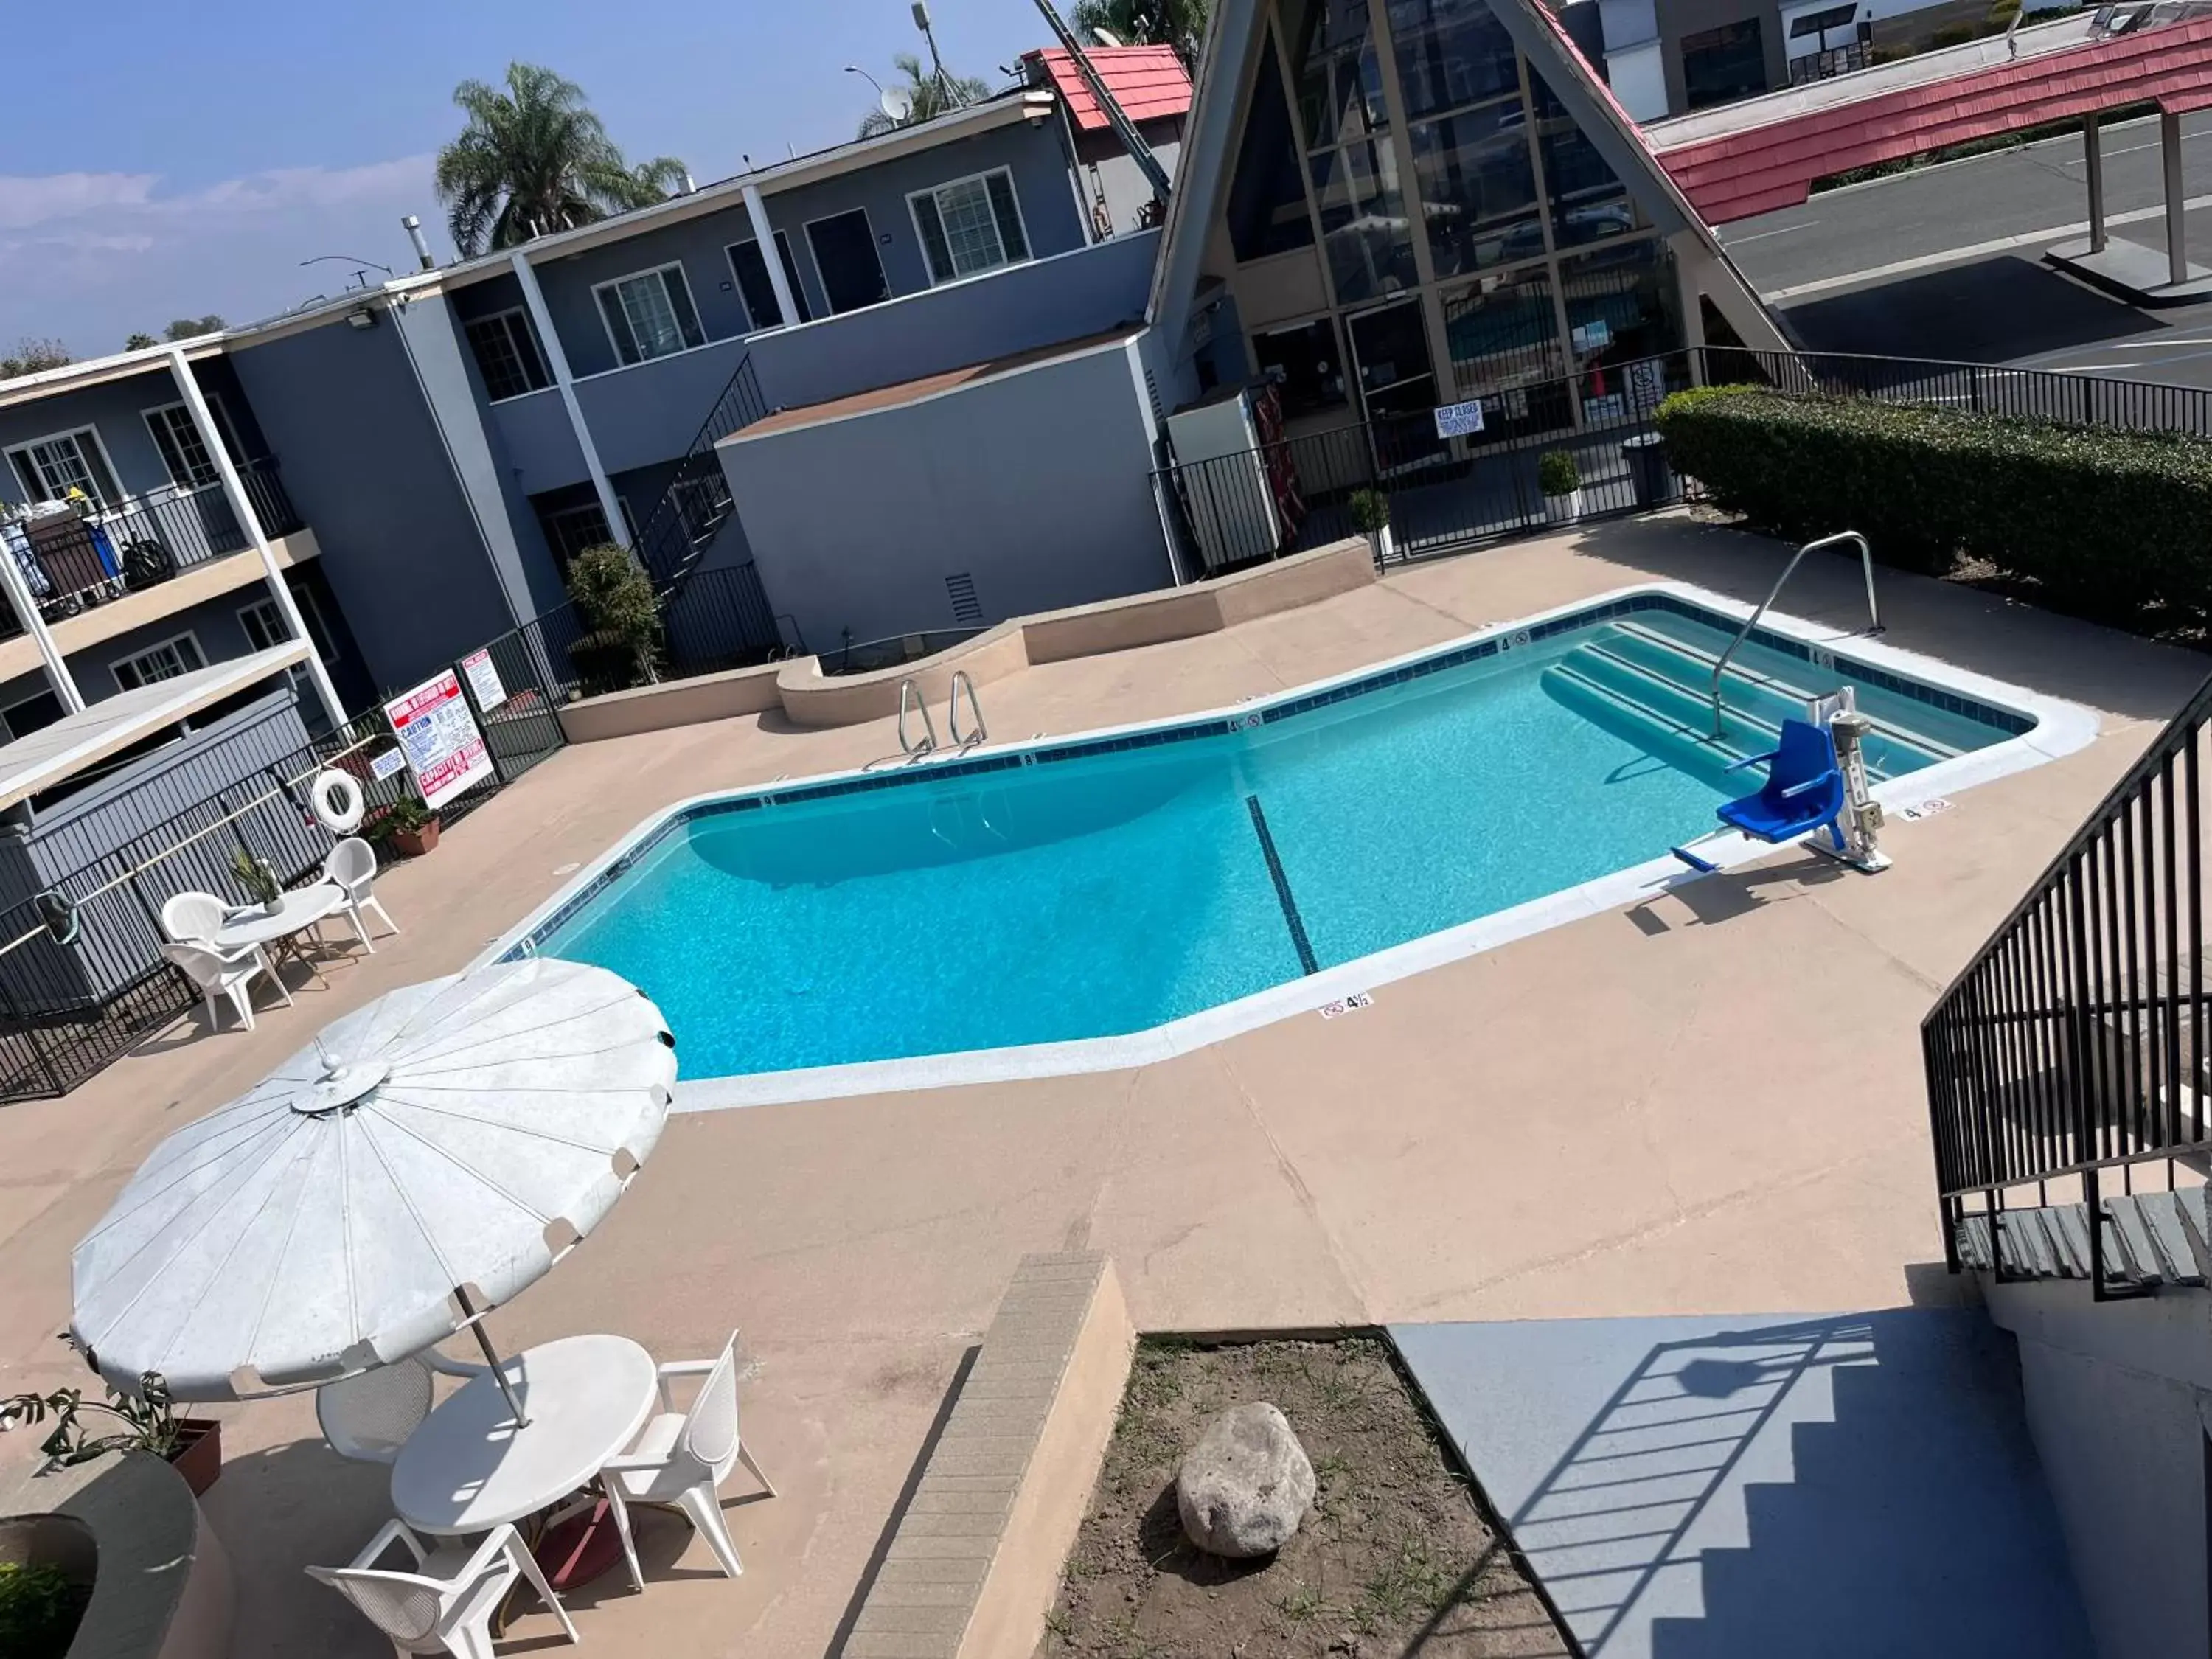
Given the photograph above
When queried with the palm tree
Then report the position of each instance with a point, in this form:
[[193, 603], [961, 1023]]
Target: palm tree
[[1177, 23], [534, 159], [929, 95]]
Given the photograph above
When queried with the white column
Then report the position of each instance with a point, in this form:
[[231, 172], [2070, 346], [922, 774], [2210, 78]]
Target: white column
[[27, 612], [548, 339], [765, 236], [234, 490], [2092, 160]]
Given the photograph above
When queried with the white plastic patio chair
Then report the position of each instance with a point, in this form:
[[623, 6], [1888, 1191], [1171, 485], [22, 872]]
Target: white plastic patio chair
[[193, 918], [446, 1605], [351, 866], [368, 1417], [681, 1457], [229, 973]]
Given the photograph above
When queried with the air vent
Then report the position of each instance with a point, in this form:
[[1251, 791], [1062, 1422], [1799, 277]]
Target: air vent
[[966, 608]]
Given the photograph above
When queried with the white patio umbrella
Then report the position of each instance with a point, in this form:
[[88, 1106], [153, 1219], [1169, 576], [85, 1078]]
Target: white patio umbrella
[[424, 1159]]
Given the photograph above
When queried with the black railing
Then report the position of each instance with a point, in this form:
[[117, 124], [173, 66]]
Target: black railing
[[1294, 495], [696, 501], [2071, 1048], [70, 561], [69, 1008], [717, 619]]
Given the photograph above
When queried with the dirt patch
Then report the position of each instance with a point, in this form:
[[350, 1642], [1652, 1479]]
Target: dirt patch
[[1396, 1557]]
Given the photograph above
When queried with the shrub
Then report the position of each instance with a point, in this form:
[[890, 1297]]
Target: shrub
[[615, 602], [39, 1606], [1557, 473], [1371, 510], [2108, 521]]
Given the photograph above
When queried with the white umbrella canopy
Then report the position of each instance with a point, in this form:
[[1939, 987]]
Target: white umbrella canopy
[[426, 1158]]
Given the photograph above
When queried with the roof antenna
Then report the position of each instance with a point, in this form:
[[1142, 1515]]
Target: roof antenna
[[422, 243]]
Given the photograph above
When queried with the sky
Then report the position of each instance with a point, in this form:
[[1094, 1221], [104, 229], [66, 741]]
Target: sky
[[159, 168]]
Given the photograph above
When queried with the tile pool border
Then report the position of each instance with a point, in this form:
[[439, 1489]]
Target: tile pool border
[[2044, 728]]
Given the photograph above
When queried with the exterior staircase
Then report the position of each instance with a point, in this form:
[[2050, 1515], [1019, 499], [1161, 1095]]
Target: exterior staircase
[[697, 502], [2149, 1239]]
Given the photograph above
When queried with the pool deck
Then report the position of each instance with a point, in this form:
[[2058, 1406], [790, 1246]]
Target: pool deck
[[1583, 1123]]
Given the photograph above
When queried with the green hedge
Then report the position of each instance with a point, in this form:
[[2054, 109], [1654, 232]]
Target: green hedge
[[2109, 522]]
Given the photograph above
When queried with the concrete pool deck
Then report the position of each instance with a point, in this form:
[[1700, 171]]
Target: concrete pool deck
[[1581, 1123]]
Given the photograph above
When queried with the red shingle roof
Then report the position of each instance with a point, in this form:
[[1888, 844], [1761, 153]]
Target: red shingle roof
[[1149, 82], [1762, 168]]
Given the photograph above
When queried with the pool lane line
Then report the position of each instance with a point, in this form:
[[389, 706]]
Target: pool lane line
[[1296, 923]]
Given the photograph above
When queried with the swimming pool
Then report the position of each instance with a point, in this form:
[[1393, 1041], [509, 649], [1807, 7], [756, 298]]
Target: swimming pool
[[1052, 899]]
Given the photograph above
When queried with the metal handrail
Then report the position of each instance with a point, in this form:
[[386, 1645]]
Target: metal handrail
[[1873, 613], [910, 698], [952, 711]]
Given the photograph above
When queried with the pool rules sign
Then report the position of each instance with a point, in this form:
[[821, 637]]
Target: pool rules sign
[[443, 746]]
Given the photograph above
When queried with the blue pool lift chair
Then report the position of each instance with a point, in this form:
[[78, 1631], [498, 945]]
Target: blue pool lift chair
[[1804, 788]]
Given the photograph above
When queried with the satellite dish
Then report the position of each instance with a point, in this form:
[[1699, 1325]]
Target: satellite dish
[[898, 103], [1106, 37]]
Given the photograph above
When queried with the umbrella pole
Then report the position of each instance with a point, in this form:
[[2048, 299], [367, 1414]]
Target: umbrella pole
[[491, 1356]]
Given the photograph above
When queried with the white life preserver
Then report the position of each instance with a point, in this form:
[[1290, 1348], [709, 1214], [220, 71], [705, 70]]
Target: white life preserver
[[337, 801]]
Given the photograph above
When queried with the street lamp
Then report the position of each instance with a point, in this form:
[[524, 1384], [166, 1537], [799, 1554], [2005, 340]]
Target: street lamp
[[855, 68]]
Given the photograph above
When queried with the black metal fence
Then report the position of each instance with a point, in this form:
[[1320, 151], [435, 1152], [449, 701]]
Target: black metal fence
[[71, 1005], [70, 562], [716, 619], [2071, 1047], [1285, 497], [697, 501]]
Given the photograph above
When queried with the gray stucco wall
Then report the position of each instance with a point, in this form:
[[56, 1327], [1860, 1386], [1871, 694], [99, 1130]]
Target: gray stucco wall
[[1033, 484], [369, 472], [1028, 149], [646, 415]]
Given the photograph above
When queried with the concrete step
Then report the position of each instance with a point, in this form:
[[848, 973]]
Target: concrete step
[[2149, 1239]]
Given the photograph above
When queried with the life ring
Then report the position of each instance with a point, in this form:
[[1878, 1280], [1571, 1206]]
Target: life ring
[[337, 801]]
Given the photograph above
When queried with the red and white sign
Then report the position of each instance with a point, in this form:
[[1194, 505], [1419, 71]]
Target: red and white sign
[[444, 746]]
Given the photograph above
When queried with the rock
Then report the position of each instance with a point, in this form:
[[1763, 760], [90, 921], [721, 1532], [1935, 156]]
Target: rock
[[1246, 1485]]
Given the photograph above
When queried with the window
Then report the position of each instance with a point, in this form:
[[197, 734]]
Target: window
[[34, 713], [759, 293], [650, 315], [507, 355], [164, 661], [1474, 173], [264, 624], [1723, 63], [50, 468], [845, 253], [186, 457], [1451, 53], [572, 520], [1266, 197], [1363, 225], [969, 226], [1303, 361]]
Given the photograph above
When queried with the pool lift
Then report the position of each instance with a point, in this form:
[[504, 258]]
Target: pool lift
[[1816, 779]]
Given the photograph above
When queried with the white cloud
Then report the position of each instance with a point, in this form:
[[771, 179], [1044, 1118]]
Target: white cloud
[[90, 257]]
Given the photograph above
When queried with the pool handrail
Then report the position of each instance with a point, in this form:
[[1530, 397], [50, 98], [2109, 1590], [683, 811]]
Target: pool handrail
[[1873, 613], [980, 734], [910, 698]]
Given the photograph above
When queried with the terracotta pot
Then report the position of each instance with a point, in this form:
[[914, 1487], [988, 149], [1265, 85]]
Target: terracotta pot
[[416, 842], [198, 1456]]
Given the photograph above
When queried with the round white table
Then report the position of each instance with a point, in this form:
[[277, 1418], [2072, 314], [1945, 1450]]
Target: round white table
[[468, 1468], [299, 909]]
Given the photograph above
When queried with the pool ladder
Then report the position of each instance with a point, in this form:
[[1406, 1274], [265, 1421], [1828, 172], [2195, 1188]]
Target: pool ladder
[[912, 701]]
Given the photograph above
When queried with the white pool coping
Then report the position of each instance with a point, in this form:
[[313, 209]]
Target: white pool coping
[[2061, 728]]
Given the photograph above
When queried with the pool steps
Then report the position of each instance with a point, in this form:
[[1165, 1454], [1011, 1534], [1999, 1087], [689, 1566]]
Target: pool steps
[[1651, 688]]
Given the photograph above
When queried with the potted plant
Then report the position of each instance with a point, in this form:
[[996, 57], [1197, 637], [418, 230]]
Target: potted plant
[[1561, 481], [146, 1421], [257, 877], [615, 602], [1371, 513], [412, 826]]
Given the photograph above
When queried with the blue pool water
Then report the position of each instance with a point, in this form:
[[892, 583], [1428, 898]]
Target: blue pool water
[[1113, 891]]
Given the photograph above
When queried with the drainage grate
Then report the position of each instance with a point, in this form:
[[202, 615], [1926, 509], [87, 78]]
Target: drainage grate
[[966, 607]]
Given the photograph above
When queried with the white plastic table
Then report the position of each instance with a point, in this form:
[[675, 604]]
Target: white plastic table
[[295, 912], [468, 1468]]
